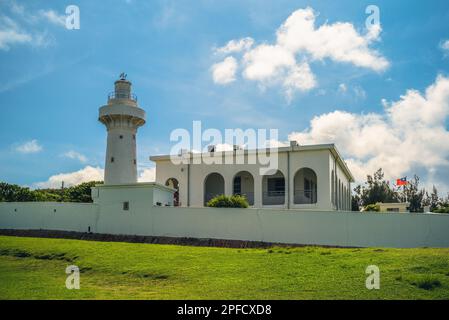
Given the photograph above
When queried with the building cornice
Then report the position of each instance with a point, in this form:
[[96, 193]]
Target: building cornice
[[300, 148]]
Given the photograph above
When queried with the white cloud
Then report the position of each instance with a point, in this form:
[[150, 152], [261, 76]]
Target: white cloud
[[266, 62], [410, 136], [31, 146], [224, 72], [73, 178], [342, 88], [25, 27], [356, 91], [232, 46], [444, 45], [147, 175], [338, 41], [359, 92], [11, 34], [75, 155], [53, 17], [301, 78], [298, 39]]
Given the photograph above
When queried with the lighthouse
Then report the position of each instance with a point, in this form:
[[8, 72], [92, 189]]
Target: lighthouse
[[122, 117]]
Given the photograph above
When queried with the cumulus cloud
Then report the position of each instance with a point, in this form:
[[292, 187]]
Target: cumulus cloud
[[286, 62], [147, 175], [75, 155], [72, 178], [409, 136], [224, 72], [338, 41], [31, 146]]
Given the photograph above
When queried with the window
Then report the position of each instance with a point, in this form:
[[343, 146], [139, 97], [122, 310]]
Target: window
[[307, 187], [121, 137], [238, 185], [392, 209], [112, 159], [134, 137], [276, 185], [135, 161], [126, 205]]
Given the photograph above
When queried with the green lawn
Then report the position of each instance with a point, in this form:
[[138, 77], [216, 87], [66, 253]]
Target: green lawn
[[34, 268]]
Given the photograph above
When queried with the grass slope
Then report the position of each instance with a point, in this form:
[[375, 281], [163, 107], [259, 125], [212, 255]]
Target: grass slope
[[34, 268]]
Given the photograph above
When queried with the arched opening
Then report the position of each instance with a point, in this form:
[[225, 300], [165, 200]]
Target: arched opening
[[213, 186], [243, 184], [174, 184], [305, 186], [273, 189]]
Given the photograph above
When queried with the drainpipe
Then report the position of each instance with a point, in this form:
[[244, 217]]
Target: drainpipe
[[335, 182], [288, 179], [188, 184]]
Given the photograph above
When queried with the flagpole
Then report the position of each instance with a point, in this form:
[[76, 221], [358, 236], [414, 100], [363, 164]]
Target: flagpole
[[405, 194]]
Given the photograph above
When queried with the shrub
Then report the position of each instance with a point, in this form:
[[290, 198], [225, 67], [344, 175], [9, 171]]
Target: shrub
[[372, 207], [442, 210], [223, 201]]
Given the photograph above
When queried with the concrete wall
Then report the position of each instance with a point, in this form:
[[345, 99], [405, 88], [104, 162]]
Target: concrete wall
[[48, 216], [269, 225]]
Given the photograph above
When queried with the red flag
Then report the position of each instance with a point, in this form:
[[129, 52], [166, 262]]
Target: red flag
[[401, 182]]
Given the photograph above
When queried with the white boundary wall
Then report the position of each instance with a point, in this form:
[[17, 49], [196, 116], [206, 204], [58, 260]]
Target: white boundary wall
[[268, 225]]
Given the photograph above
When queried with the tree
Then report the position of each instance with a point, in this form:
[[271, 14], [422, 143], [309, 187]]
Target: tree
[[81, 192], [376, 189], [355, 199], [433, 201], [15, 193], [413, 195]]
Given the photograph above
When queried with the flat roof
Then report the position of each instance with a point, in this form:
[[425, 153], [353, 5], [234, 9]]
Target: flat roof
[[135, 185], [315, 147]]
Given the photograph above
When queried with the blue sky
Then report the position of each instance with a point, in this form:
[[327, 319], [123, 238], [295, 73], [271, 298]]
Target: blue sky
[[53, 81]]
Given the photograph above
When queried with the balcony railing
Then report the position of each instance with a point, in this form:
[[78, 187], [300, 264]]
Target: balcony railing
[[273, 198], [122, 95], [304, 196]]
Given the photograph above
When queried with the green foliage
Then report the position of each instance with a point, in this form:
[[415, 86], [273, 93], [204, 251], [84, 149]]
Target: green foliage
[[81, 192], [15, 193], [12, 192], [376, 189], [413, 195], [372, 207], [442, 209], [223, 201], [433, 199]]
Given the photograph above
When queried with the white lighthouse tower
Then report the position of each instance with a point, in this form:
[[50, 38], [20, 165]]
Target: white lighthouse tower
[[121, 116]]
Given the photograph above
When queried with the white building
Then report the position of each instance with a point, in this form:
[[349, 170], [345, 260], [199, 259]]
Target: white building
[[305, 177], [313, 177]]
